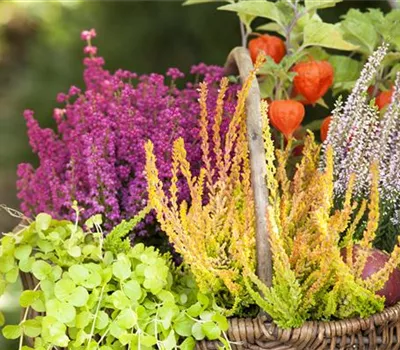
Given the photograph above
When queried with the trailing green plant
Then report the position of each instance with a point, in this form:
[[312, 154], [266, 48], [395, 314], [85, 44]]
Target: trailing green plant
[[96, 293]]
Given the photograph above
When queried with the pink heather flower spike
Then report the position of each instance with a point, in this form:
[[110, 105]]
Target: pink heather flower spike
[[88, 34], [96, 155]]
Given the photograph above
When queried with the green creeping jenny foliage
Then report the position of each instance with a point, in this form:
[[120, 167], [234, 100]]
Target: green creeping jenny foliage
[[96, 293]]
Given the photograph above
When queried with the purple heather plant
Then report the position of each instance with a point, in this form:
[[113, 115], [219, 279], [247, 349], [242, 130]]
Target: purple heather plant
[[96, 155]]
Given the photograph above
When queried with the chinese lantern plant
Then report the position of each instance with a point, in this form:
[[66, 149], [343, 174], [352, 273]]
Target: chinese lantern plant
[[302, 62]]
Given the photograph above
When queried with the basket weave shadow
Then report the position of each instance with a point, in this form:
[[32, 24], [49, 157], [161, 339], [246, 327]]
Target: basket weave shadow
[[378, 332]]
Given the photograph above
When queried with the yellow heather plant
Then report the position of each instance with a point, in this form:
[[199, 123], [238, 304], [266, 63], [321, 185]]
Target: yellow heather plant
[[218, 224], [215, 231], [309, 237]]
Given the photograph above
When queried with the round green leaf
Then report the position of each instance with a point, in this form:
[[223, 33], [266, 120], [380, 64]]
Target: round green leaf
[[102, 320], [126, 319], [79, 297], [32, 328], [12, 331], [41, 270], [63, 289], [211, 330], [132, 290], [42, 221], [121, 270], [23, 252], [197, 331], [62, 311]]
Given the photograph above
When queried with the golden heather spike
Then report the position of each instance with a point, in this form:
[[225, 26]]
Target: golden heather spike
[[180, 151], [239, 114], [204, 133], [217, 123], [377, 281], [270, 176], [154, 187], [340, 220], [173, 190], [373, 209]]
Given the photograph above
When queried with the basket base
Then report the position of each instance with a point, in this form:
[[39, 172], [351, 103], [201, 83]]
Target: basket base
[[378, 332]]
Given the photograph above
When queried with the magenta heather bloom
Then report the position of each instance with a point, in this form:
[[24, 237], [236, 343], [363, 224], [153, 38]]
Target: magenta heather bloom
[[96, 155]]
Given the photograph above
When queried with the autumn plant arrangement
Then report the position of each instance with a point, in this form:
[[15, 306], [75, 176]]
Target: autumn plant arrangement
[[135, 159]]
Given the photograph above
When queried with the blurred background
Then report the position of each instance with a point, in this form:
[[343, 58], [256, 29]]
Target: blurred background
[[41, 55]]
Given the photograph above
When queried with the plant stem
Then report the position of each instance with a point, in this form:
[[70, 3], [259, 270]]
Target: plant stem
[[243, 33], [95, 316], [21, 339]]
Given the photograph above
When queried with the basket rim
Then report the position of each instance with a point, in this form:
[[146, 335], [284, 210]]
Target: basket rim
[[389, 315]]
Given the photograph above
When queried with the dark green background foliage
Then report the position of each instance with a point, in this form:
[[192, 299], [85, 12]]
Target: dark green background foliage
[[41, 55]]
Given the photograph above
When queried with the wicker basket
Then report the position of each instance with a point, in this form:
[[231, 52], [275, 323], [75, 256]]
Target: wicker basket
[[380, 331]]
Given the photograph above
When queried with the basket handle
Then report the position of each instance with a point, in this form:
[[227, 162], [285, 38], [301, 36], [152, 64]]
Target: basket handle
[[239, 61]]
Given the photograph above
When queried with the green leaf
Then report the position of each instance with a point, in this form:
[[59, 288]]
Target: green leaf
[[32, 328], [271, 27], [28, 297], [79, 297], [312, 5], [45, 246], [221, 321], [22, 252], [42, 222], [169, 343], [359, 30], [132, 290], [346, 71], [54, 331], [2, 319], [126, 319], [122, 269], [183, 325], [78, 273], [75, 251], [198, 332], [12, 331], [211, 330], [63, 289], [102, 320], [119, 300], [26, 264], [62, 311], [83, 319], [325, 35], [264, 9], [12, 275], [188, 344], [41, 270]]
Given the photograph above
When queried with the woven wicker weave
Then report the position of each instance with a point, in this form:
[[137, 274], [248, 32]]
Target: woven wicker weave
[[380, 331]]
